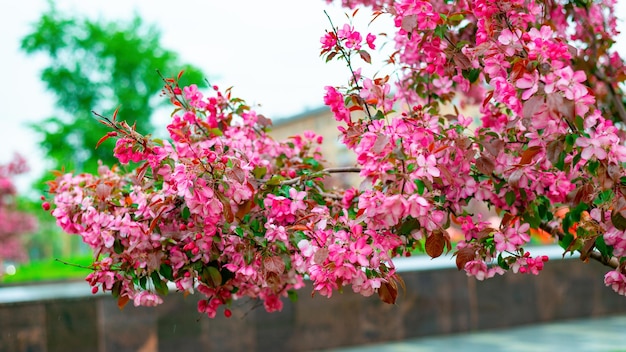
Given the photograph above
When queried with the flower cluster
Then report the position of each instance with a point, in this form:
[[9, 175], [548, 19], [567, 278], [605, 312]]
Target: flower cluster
[[224, 210], [13, 223]]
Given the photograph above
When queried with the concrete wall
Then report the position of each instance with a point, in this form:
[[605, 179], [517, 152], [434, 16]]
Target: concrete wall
[[439, 301]]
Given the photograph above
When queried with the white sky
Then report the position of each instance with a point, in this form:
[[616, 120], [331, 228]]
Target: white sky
[[267, 50]]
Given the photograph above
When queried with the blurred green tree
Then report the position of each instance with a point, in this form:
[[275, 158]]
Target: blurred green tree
[[94, 66]]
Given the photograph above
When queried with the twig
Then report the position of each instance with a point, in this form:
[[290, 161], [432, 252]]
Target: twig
[[74, 265], [611, 262], [330, 170]]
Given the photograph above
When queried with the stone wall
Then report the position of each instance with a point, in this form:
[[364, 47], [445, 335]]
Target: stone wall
[[441, 301]]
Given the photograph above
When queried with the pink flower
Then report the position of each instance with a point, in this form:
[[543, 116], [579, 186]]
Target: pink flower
[[359, 252], [478, 269], [617, 281], [334, 100], [329, 40], [528, 82], [352, 38], [147, 299], [594, 145], [370, 40]]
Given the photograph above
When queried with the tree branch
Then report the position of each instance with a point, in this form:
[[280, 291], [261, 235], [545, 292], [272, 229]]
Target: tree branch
[[330, 170], [611, 262]]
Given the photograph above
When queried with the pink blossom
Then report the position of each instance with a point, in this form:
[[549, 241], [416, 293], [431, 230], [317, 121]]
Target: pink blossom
[[329, 40], [529, 83], [147, 299], [352, 39], [335, 101], [370, 40], [617, 281]]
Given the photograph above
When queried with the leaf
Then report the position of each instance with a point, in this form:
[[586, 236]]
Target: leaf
[[381, 142], [485, 165], [463, 256], [618, 220], [166, 271], [212, 276], [528, 154], [122, 301], [588, 246], [531, 106], [408, 226], [435, 244], [259, 172], [388, 292], [159, 285], [185, 213], [409, 23], [365, 56], [293, 295], [554, 150], [274, 264], [320, 256], [494, 146], [510, 198]]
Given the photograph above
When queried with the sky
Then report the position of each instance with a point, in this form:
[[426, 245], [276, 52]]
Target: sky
[[267, 50]]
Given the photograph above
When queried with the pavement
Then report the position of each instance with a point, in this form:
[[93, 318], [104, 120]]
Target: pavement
[[595, 335]]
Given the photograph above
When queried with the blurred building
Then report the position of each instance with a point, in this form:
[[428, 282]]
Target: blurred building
[[322, 122]]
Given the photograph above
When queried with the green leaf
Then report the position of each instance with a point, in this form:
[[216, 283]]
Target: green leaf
[[420, 186], [471, 74], [159, 285], [117, 246], [510, 197], [440, 31], [259, 172], [185, 213], [579, 123], [566, 241], [605, 250], [166, 271], [275, 180], [592, 166], [293, 295], [408, 226]]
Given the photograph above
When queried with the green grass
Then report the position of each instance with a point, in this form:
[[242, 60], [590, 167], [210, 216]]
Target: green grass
[[50, 270]]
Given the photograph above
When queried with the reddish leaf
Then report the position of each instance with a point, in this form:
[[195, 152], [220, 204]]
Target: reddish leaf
[[409, 23], [122, 301], [554, 150], [528, 154], [515, 177], [588, 246], [618, 220], [365, 56], [461, 61], [485, 165], [106, 136], [388, 292], [507, 218], [226, 209], [435, 244], [494, 146], [274, 264], [487, 98], [531, 106], [320, 256], [463, 256], [180, 74], [115, 113], [381, 142]]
